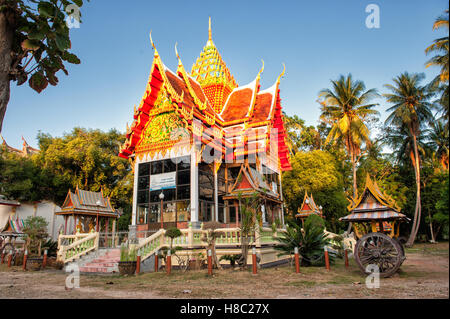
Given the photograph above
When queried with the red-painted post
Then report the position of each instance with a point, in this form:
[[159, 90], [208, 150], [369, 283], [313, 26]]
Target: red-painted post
[[44, 262], [168, 262], [138, 263], [255, 269], [9, 259], [25, 256], [156, 261], [297, 260], [327, 259], [346, 258], [210, 272]]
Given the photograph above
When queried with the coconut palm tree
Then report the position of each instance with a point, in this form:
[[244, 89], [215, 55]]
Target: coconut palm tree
[[439, 142], [411, 110], [346, 108], [440, 48]]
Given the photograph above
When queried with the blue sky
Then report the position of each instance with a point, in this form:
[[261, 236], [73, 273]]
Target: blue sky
[[317, 40]]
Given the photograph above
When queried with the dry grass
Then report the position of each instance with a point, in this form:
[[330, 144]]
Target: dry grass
[[423, 275]]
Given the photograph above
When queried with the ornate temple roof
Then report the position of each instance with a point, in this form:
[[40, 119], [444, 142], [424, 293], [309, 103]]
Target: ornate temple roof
[[87, 203], [206, 101], [26, 149], [211, 72], [373, 204], [308, 207]]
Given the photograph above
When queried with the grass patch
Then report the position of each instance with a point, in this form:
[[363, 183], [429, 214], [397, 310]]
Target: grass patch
[[303, 283]]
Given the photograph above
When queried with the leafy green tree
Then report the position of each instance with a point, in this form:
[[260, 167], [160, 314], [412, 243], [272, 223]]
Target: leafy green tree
[[87, 158], [22, 179], [35, 227], [346, 108], [441, 216], [410, 112], [316, 172], [440, 48], [439, 142], [34, 44]]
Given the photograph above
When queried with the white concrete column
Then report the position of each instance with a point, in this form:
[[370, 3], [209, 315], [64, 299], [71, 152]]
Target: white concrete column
[[194, 187], [216, 195], [281, 197], [136, 174]]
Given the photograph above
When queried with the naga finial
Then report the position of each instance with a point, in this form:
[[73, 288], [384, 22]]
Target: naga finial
[[262, 69], [282, 73]]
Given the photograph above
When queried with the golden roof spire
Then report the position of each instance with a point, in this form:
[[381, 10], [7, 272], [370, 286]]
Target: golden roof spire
[[211, 72], [209, 31]]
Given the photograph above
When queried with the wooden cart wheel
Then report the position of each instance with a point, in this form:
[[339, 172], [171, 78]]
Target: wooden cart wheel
[[381, 250]]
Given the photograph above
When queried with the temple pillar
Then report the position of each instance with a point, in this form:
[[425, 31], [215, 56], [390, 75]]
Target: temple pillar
[[216, 196], [136, 173], [194, 190], [281, 198]]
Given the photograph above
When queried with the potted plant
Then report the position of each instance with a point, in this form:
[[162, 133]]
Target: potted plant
[[35, 227], [127, 263]]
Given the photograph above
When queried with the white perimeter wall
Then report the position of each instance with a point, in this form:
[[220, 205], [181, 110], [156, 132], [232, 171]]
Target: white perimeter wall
[[44, 209]]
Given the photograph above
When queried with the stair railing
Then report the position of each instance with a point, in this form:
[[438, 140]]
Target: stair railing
[[71, 247]]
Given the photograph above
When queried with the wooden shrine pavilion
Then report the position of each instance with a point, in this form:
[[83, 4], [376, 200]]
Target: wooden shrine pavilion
[[90, 211], [194, 135], [374, 209], [308, 207]]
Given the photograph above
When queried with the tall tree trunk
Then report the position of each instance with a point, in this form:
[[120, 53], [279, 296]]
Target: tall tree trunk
[[6, 42], [355, 187], [417, 213], [433, 239]]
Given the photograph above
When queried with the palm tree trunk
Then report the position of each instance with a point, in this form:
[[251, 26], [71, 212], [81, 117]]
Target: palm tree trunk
[[431, 227], [417, 213], [355, 188]]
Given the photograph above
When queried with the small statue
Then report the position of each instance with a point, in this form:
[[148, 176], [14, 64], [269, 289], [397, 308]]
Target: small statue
[[91, 228], [79, 227]]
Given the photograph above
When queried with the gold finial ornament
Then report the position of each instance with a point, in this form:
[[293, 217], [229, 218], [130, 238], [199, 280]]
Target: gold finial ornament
[[209, 31], [262, 69], [282, 73], [211, 72]]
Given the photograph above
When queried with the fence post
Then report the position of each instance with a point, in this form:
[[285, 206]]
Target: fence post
[[168, 261], [327, 260], [210, 272], [297, 260], [44, 262], [255, 270], [138, 262], [25, 256]]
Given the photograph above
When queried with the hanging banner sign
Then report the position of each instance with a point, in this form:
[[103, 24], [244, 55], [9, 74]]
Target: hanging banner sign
[[163, 181]]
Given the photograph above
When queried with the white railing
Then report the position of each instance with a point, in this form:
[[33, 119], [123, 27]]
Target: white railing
[[71, 247]]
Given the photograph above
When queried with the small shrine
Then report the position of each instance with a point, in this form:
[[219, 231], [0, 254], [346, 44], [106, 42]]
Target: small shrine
[[374, 211], [308, 207], [91, 211]]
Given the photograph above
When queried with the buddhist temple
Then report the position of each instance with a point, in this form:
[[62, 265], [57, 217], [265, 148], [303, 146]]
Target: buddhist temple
[[308, 207], [374, 205], [91, 211], [26, 150], [193, 137]]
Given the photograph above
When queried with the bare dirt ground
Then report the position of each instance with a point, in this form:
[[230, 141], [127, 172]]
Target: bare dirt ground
[[424, 274]]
